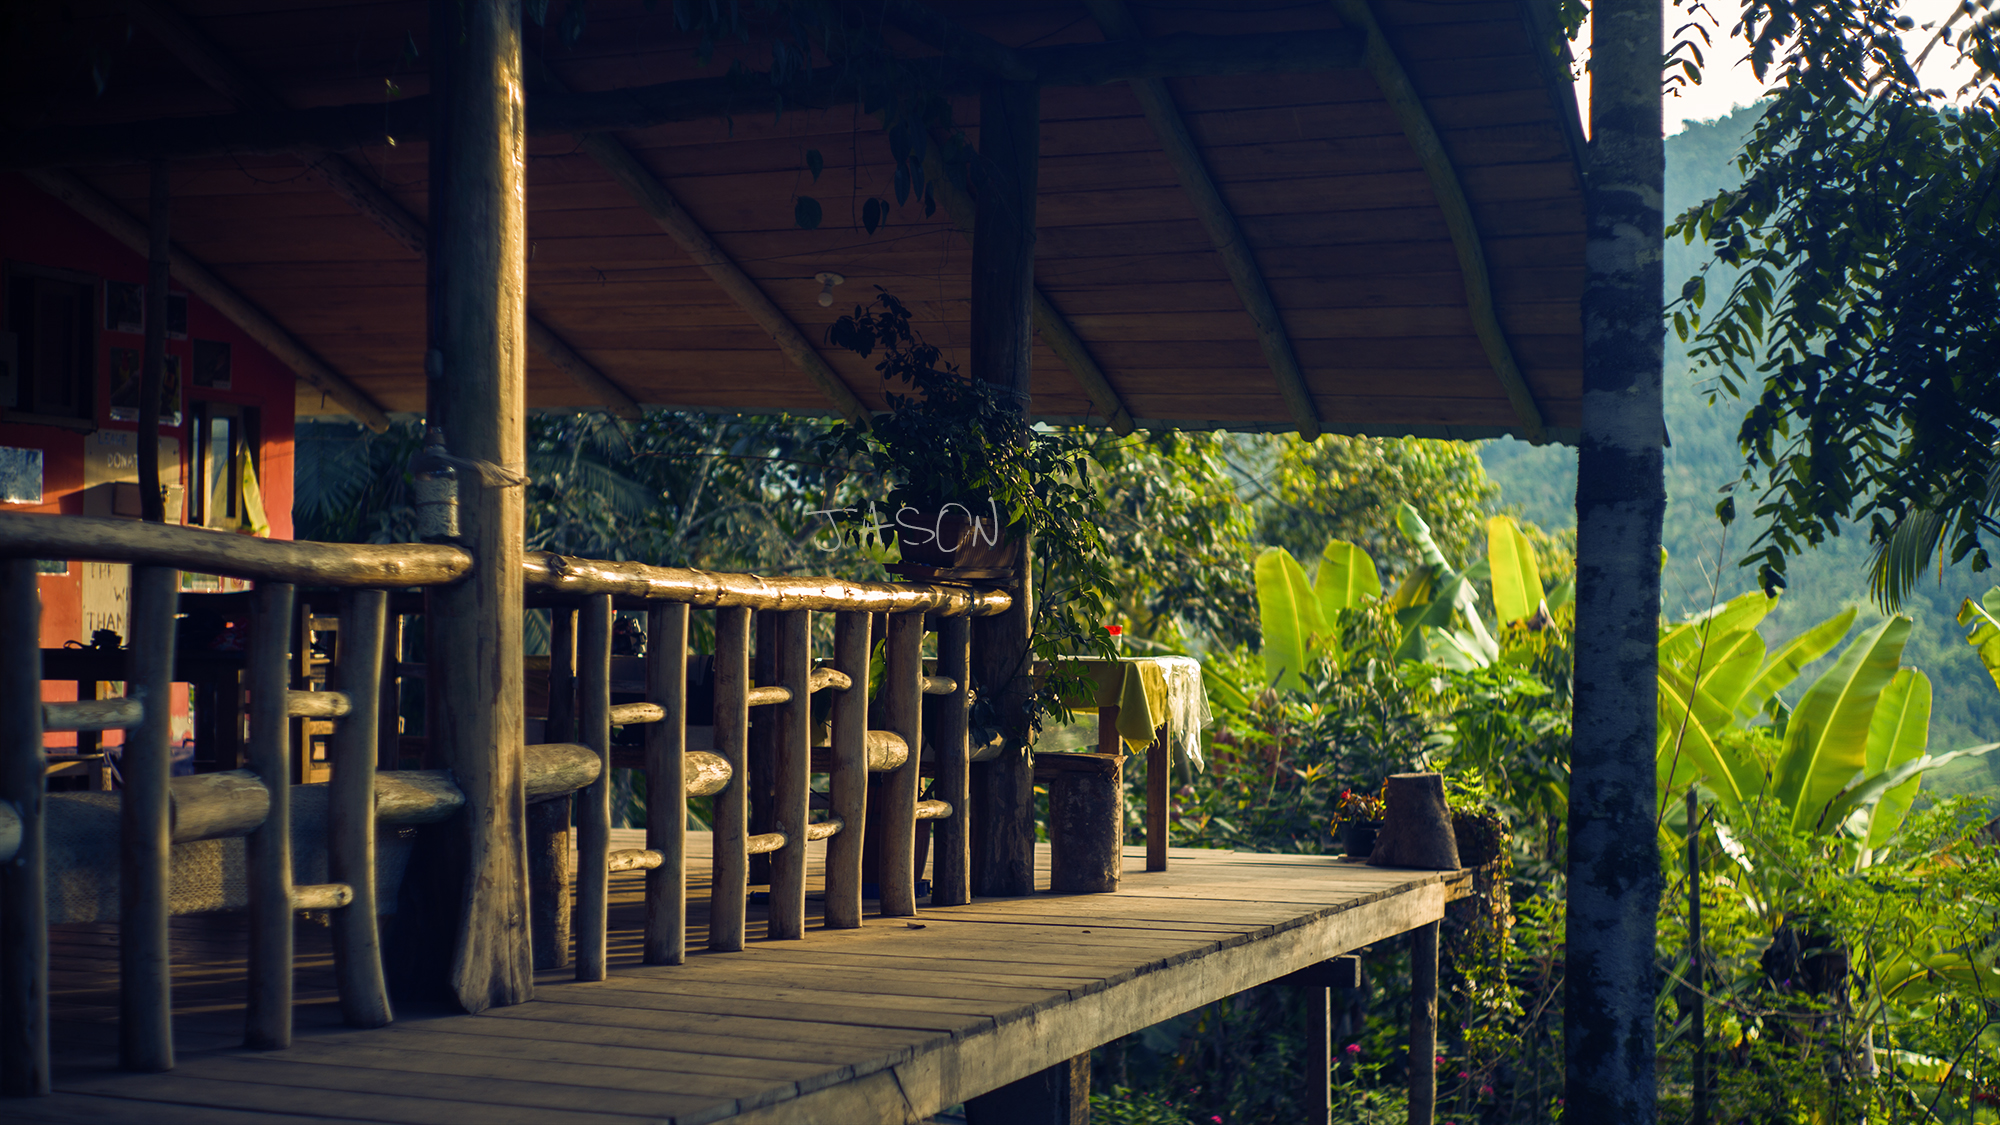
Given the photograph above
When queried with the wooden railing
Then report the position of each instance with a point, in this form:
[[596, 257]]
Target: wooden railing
[[157, 812]]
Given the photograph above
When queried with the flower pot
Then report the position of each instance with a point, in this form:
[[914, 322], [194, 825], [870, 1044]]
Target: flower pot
[[955, 538], [1357, 837]]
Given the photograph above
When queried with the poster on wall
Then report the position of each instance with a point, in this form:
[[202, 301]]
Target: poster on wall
[[20, 475], [124, 307], [110, 488], [211, 364], [125, 388]]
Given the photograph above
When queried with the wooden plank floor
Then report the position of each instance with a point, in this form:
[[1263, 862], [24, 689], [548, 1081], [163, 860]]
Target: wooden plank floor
[[892, 1022]]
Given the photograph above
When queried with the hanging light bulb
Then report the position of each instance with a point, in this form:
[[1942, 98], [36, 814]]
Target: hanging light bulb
[[826, 283]]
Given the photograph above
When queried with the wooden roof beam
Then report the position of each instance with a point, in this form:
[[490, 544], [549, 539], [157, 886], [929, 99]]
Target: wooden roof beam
[[1054, 328], [222, 74], [658, 202], [113, 219], [640, 107], [1380, 59], [1230, 241]]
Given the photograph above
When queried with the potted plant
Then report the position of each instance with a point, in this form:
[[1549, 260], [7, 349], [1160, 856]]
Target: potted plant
[[1357, 818]]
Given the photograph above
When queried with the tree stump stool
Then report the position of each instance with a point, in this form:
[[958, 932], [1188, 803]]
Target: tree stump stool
[[1416, 825], [1086, 820]]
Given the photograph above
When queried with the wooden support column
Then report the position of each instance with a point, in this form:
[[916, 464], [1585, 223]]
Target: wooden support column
[[551, 879], [267, 1017], [357, 943], [593, 805], [1423, 1023], [730, 858], [1159, 799], [762, 764], [153, 362], [903, 695], [24, 929], [1059, 1095], [793, 781], [666, 784], [951, 841], [480, 274], [1002, 343]]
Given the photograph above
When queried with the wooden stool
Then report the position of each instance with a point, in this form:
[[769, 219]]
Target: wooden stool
[[1086, 819]]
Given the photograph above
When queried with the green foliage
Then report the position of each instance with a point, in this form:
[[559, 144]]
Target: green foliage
[[1288, 611]]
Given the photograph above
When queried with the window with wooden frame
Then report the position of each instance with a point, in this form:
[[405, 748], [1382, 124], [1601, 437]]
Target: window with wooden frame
[[52, 319], [225, 467]]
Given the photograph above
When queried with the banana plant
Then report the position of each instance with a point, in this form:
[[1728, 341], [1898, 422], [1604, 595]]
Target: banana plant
[[1300, 619]]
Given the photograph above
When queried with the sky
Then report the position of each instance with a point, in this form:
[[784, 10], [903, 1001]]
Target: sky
[[1726, 81]]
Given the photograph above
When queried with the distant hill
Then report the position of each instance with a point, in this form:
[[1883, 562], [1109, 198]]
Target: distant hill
[[1539, 485]]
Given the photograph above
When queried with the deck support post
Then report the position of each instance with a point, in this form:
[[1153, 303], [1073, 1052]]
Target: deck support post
[[267, 1016], [730, 856], [551, 880], [357, 940], [1002, 339], [848, 785], [479, 314], [903, 699], [1317, 982], [24, 930], [145, 1007], [951, 862], [1423, 1023], [792, 775], [1059, 1095]]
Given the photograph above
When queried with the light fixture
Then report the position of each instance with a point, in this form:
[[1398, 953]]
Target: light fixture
[[826, 283]]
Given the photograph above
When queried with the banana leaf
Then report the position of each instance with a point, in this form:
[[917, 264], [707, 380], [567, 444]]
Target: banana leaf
[[1517, 581], [1724, 770], [1984, 621], [1784, 665], [1732, 661], [1346, 580], [1870, 789], [1434, 614], [1826, 743], [1289, 614], [1899, 734], [1418, 533], [1743, 611]]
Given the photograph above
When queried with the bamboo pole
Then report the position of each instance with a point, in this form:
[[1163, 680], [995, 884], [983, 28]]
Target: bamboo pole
[[24, 931], [357, 940], [551, 880], [666, 785], [593, 808], [145, 1008], [903, 691], [730, 880], [848, 783], [268, 1014], [480, 255], [564, 576], [392, 565], [951, 840], [793, 632]]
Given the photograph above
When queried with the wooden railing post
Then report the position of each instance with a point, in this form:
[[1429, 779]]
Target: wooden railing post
[[903, 693], [145, 1024], [267, 1017], [1423, 1024], [951, 838], [761, 764], [593, 808], [357, 940], [550, 877], [848, 785], [793, 780], [729, 881], [666, 784], [24, 931]]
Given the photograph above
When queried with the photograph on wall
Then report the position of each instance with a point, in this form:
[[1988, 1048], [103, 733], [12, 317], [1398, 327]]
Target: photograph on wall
[[211, 364], [124, 307], [125, 388], [177, 316]]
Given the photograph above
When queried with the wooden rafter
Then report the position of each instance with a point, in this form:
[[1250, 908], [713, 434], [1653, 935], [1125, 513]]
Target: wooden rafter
[[1380, 59], [657, 201], [202, 282], [640, 107], [1230, 241], [1053, 327], [222, 74]]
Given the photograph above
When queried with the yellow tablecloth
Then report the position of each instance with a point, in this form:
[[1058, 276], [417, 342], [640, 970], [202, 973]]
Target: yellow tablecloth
[[1137, 687]]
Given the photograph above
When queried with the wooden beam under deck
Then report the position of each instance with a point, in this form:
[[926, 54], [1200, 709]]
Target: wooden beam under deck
[[893, 1021]]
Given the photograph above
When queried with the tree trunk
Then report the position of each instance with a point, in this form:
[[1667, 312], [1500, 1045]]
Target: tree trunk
[[1614, 864]]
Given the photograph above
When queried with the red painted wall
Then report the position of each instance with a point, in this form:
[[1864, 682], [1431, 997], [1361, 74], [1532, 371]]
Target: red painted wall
[[37, 230]]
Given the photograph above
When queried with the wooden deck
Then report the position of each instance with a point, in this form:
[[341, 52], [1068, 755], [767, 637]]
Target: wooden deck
[[892, 1022]]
